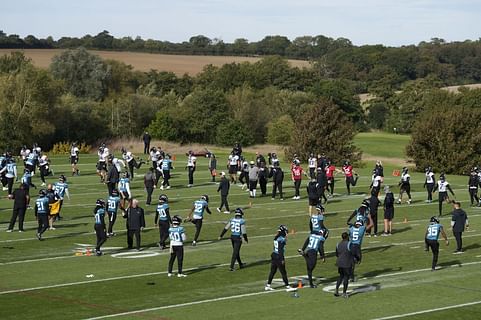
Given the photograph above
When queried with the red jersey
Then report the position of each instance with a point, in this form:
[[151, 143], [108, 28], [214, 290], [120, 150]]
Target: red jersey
[[330, 171], [347, 170], [297, 172]]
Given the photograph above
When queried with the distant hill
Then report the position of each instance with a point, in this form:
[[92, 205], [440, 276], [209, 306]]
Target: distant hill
[[179, 64]]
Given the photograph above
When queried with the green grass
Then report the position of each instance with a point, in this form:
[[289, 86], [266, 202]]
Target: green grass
[[56, 287], [382, 144]]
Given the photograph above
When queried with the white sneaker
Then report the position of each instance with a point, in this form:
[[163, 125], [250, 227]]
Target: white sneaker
[[9, 230], [228, 212], [52, 228], [218, 209], [4, 189], [161, 188], [294, 198], [169, 275], [290, 289], [43, 184], [181, 275], [268, 288], [168, 187]]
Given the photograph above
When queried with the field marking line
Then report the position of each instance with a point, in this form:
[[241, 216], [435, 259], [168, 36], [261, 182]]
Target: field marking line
[[428, 311], [185, 304]]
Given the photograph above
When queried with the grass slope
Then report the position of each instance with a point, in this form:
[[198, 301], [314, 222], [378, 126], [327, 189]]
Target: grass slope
[[45, 280]]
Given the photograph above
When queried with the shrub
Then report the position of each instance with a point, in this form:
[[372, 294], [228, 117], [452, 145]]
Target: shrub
[[64, 148]]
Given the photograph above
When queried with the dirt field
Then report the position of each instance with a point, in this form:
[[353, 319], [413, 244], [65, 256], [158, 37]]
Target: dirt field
[[179, 64]]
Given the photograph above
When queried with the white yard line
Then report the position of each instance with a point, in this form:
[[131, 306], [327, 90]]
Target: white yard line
[[429, 310]]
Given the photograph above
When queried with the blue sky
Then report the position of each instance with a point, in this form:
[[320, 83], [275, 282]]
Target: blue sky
[[387, 22]]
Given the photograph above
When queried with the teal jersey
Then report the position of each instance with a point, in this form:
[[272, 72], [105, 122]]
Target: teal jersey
[[113, 204], [279, 245], [60, 188], [41, 205], [199, 207], [315, 242], [123, 184], [362, 216], [27, 179], [177, 236], [99, 216], [166, 164], [356, 234], [162, 210], [236, 225], [316, 222], [434, 229], [11, 169], [31, 159]]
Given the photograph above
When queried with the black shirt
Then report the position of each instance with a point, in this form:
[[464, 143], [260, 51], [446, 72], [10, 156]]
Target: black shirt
[[135, 218], [459, 218], [343, 254], [20, 198]]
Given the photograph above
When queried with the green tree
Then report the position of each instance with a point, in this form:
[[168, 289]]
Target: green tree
[[85, 75], [280, 130], [324, 127], [232, 131]]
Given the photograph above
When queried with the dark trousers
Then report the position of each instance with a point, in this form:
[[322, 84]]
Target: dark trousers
[[350, 181], [176, 252], [374, 221], [130, 238], [297, 185], [158, 174], [330, 185], [278, 263], [111, 186], [459, 240], [263, 185], [434, 245], [112, 218], [163, 232], [430, 188], [344, 275], [312, 173], [10, 184], [277, 186], [149, 190], [42, 223], [191, 175], [473, 195], [223, 202], [146, 147], [198, 227], [244, 175], [357, 256], [3, 179], [101, 236], [20, 213], [133, 164], [442, 197], [323, 194], [252, 185], [43, 173], [166, 174], [311, 261], [236, 245]]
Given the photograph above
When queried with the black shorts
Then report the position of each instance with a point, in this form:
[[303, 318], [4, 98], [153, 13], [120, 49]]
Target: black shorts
[[389, 213], [73, 159], [313, 201], [233, 169], [101, 165], [356, 252]]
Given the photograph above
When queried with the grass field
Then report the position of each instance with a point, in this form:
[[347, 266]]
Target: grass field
[[179, 64], [46, 280]]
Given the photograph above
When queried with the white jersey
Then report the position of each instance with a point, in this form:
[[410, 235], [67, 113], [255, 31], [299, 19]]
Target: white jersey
[[128, 156], [405, 178], [118, 163], [155, 156], [443, 186], [376, 182], [312, 162], [43, 161], [429, 177], [103, 155], [191, 161], [74, 151], [233, 160]]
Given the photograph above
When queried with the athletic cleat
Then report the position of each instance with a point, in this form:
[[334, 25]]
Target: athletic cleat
[[290, 289], [194, 243], [169, 275], [9, 230], [168, 187], [228, 212], [98, 253], [39, 236], [181, 275], [268, 288], [218, 210]]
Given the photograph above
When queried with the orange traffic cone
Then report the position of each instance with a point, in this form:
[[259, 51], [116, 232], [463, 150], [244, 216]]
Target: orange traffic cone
[[299, 284], [88, 253]]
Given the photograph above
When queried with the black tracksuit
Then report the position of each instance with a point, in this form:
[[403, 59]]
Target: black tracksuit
[[112, 179], [277, 176], [135, 221], [460, 219], [344, 262], [224, 186]]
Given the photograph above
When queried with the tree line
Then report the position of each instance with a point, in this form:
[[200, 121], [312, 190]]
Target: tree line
[[369, 67]]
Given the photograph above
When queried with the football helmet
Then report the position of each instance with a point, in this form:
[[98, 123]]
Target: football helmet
[[283, 229], [176, 220], [163, 198], [205, 197], [366, 203], [238, 212], [100, 203], [115, 193], [62, 178], [320, 208], [42, 192], [434, 219]]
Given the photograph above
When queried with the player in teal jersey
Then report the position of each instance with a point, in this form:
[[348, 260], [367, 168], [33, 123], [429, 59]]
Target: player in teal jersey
[[431, 239], [237, 226], [163, 220], [313, 244], [113, 205], [196, 215], [177, 239], [316, 222], [42, 211], [278, 260], [99, 215], [356, 235]]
